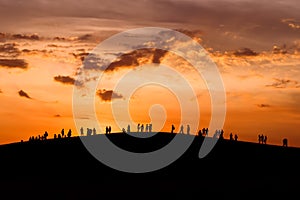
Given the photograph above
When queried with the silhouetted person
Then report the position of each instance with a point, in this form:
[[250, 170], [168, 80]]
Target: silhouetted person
[[150, 128], [188, 129], [94, 131], [285, 142], [55, 136], [259, 139], [142, 128], [199, 133], [172, 129], [206, 132], [147, 128], [236, 137], [46, 135], [181, 129], [69, 133], [123, 130], [231, 136], [62, 132], [128, 128], [106, 130], [81, 131], [265, 139], [138, 127], [109, 129], [59, 136], [221, 136], [88, 132]]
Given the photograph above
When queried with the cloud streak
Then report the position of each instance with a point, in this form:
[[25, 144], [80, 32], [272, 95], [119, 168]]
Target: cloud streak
[[108, 95], [13, 63], [284, 83]]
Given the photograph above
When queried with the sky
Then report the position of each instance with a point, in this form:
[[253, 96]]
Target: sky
[[255, 45]]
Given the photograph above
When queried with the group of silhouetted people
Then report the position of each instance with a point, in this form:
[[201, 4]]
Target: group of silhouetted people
[[39, 137], [262, 139], [235, 137], [63, 135], [203, 132], [141, 127], [181, 131]]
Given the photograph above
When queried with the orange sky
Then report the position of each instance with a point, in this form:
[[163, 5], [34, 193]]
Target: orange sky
[[259, 61]]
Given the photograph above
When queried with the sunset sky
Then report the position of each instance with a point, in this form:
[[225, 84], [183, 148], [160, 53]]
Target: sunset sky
[[254, 43]]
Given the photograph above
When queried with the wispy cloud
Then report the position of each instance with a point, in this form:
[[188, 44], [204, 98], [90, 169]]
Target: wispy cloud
[[108, 95], [284, 83], [263, 105], [294, 24]]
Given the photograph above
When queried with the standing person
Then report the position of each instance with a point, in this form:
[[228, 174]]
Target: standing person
[[142, 128], [235, 137], [285, 142], [259, 139], [188, 129], [138, 127], [94, 131], [265, 139], [150, 128], [147, 128], [173, 128], [106, 130], [69, 133], [231, 136], [62, 132], [128, 128], [81, 131], [109, 129], [181, 129]]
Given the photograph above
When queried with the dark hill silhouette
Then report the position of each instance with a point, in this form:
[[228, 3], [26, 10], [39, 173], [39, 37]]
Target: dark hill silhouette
[[64, 166]]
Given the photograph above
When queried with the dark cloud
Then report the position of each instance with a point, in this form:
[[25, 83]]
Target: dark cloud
[[24, 94], [9, 50], [57, 115], [245, 52], [1, 91], [25, 37], [108, 95], [132, 59], [65, 79], [284, 83], [263, 105], [13, 63]]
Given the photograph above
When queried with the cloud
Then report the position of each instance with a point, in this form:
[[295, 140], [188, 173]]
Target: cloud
[[263, 105], [284, 83], [26, 37], [132, 59], [137, 58], [13, 63], [57, 115], [1, 91], [9, 50], [108, 95], [24, 94], [245, 52], [65, 79], [294, 24]]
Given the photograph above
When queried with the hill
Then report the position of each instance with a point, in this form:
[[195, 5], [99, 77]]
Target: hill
[[64, 166]]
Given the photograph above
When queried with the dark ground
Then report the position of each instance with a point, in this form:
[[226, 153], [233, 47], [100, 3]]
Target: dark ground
[[63, 169]]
